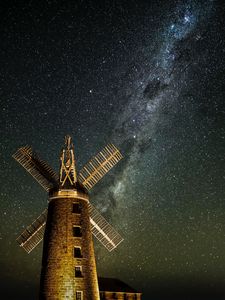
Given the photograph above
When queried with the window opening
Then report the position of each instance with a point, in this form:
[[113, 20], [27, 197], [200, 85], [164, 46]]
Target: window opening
[[77, 231], [78, 271], [77, 252]]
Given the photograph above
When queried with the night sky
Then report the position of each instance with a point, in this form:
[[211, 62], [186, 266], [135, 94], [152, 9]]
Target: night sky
[[149, 77]]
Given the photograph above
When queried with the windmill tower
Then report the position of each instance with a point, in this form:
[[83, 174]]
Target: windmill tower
[[68, 261]]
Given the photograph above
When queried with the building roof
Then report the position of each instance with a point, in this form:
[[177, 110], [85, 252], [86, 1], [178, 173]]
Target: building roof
[[114, 285]]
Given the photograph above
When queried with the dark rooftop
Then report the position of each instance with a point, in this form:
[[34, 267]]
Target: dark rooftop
[[114, 285]]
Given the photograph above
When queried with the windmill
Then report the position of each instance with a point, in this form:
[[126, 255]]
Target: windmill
[[68, 261]]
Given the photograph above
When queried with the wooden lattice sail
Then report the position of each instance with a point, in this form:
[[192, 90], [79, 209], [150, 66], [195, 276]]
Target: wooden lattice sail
[[102, 230], [33, 234], [39, 169], [99, 165]]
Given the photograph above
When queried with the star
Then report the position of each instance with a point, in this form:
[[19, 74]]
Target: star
[[149, 78]]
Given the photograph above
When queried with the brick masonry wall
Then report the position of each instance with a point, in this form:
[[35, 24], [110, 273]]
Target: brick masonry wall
[[58, 281]]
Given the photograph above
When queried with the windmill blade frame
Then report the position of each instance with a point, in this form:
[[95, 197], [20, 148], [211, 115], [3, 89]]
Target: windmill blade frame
[[102, 230], [99, 165], [33, 234], [37, 167]]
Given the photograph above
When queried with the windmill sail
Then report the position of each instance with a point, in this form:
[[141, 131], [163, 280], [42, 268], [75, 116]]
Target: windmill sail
[[39, 169], [102, 230], [33, 234], [99, 165]]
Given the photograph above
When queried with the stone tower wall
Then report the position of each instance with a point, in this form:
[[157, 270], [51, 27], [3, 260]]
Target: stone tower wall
[[58, 278]]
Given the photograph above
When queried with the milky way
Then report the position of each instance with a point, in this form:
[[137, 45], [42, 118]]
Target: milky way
[[162, 82], [149, 77]]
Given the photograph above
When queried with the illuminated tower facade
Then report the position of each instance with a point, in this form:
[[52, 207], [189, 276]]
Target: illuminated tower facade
[[68, 263]]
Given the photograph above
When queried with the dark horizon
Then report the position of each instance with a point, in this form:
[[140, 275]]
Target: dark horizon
[[166, 289]]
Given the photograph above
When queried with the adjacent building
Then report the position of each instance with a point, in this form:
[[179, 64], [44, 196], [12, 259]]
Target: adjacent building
[[111, 288]]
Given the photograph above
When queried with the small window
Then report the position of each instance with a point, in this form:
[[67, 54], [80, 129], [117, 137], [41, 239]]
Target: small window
[[77, 252], [79, 295], [77, 231], [78, 271], [76, 208]]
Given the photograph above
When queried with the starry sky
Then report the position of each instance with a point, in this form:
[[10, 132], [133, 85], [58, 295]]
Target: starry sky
[[149, 77]]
